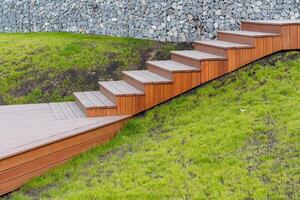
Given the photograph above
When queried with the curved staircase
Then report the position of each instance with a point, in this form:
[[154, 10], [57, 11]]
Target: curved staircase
[[142, 89], [36, 138]]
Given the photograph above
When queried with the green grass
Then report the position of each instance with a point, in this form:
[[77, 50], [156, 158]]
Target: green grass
[[234, 138], [44, 67]]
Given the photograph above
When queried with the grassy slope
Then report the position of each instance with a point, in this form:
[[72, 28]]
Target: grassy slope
[[234, 138], [43, 67]]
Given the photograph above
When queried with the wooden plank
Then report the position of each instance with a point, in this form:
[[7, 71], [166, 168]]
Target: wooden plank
[[261, 27], [111, 111], [42, 162], [196, 79], [298, 36], [231, 55], [210, 49], [259, 48], [40, 166], [233, 38], [223, 67], [186, 61], [294, 37], [160, 71], [91, 112], [76, 110], [85, 102], [149, 91], [186, 81], [204, 72], [268, 45], [100, 112], [177, 83], [121, 105], [277, 43], [285, 37], [250, 55], [56, 109], [158, 93], [41, 151], [240, 56], [67, 111], [129, 103], [168, 91]]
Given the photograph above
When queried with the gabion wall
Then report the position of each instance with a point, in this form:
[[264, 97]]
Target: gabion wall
[[164, 20]]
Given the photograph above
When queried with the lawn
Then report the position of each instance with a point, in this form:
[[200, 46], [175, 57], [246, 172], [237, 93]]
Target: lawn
[[44, 67], [237, 137]]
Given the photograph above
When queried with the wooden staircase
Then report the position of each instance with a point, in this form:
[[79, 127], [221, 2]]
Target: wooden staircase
[[40, 137], [163, 80]]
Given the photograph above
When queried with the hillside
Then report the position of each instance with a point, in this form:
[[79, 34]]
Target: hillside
[[45, 67], [234, 138]]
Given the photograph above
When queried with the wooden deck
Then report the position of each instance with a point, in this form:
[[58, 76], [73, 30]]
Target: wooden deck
[[37, 137]]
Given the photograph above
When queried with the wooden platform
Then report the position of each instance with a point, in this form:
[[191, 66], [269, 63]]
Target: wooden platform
[[35, 138]]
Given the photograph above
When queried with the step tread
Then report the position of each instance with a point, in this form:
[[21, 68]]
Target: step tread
[[223, 44], [120, 88], [93, 99], [274, 22], [198, 55], [249, 33], [145, 76], [172, 66]]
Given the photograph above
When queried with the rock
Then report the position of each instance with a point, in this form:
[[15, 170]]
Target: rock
[[172, 20]]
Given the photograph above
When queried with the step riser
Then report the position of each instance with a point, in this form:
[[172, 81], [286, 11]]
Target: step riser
[[267, 28], [154, 93], [186, 61], [126, 105], [134, 82], [213, 69], [234, 38], [210, 49], [130, 105], [108, 94], [291, 37], [158, 93], [159, 71], [96, 112], [182, 81]]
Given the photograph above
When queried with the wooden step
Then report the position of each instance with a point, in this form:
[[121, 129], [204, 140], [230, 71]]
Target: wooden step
[[184, 77], [129, 100], [139, 78], [219, 47], [245, 37], [114, 89], [269, 26], [95, 103], [167, 68], [157, 88], [194, 58]]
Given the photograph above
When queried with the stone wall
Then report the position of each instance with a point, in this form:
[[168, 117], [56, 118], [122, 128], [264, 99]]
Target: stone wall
[[164, 20]]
